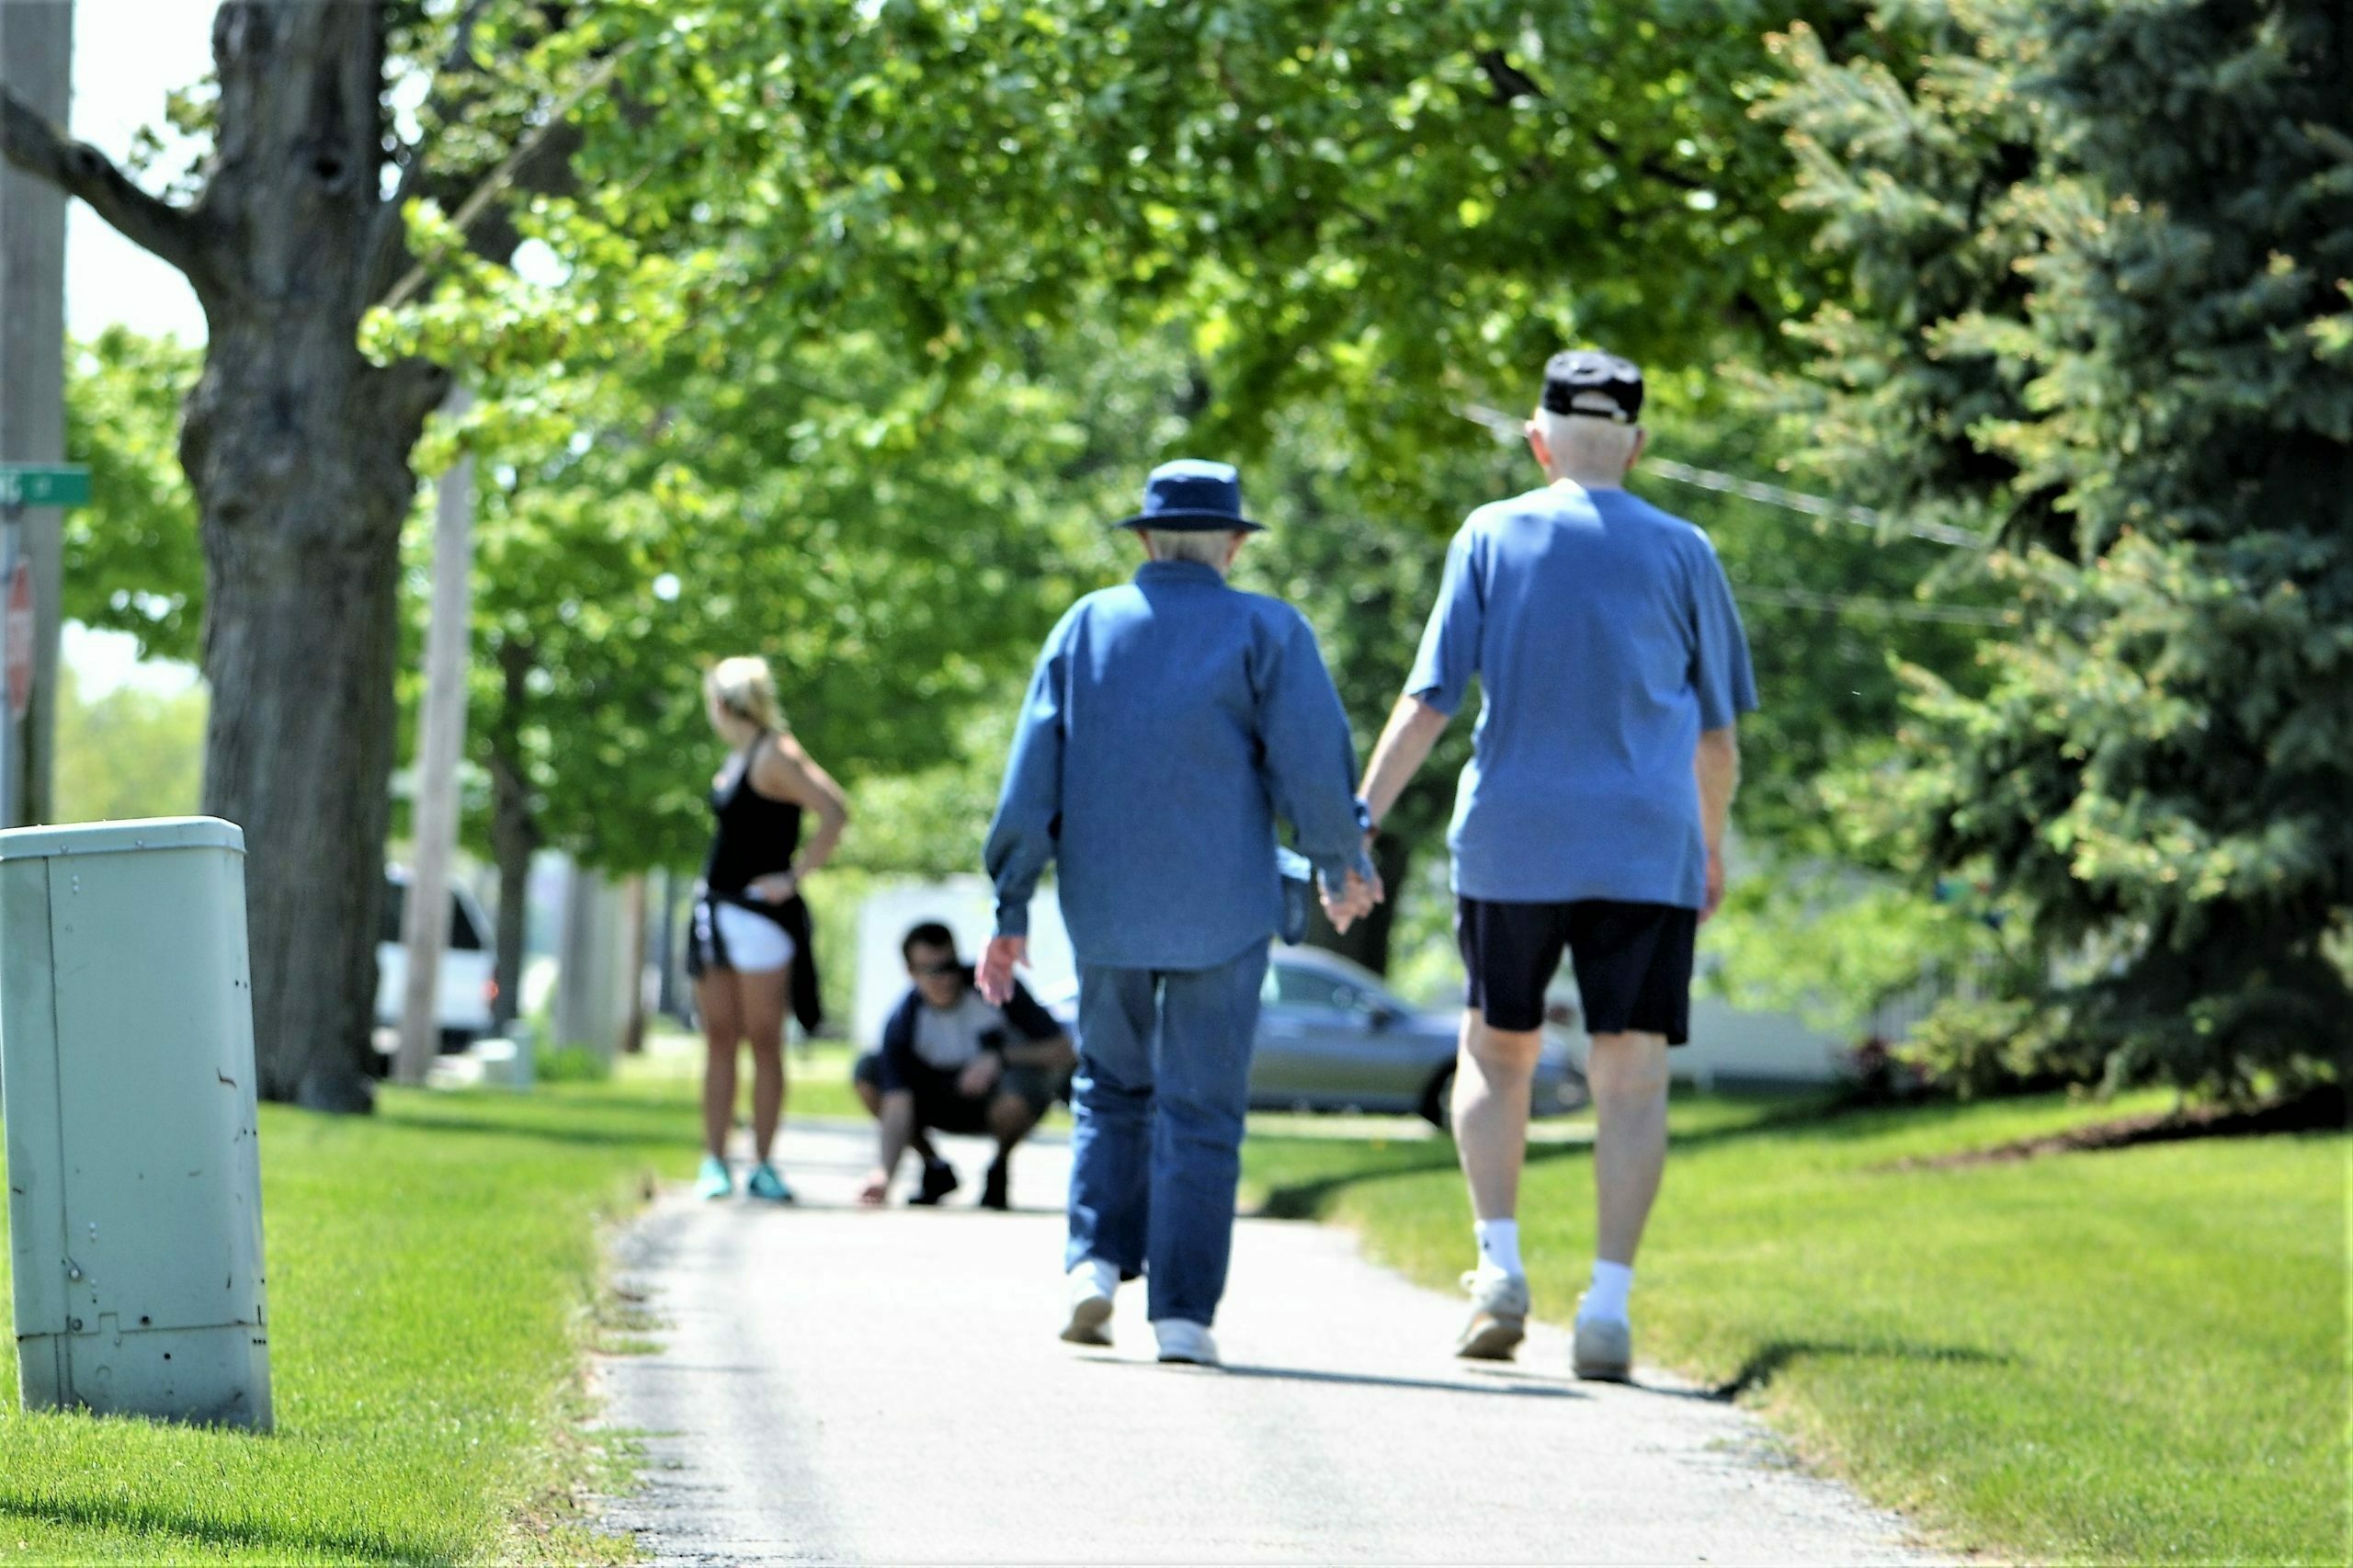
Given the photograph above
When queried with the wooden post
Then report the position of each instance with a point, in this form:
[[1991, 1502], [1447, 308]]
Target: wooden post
[[634, 1030], [589, 1001], [442, 738]]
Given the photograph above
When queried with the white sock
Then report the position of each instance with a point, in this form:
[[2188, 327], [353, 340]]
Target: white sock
[[1498, 1246], [1606, 1297]]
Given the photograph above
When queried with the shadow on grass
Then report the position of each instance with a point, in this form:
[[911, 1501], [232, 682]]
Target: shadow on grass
[[1770, 1360], [139, 1517], [584, 1133], [2321, 1110], [1822, 1116], [1308, 1199]]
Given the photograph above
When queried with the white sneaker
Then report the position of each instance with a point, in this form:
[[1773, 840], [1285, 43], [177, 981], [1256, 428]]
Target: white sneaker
[[1184, 1341], [1499, 1316], [1091, 1284], [1603, 1350]]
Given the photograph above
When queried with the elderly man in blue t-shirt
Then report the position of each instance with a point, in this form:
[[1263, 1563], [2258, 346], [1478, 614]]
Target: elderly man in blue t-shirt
[[1591, 817], [1170, 723]]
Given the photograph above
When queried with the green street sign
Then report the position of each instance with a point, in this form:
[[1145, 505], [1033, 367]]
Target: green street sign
[[44, 484]]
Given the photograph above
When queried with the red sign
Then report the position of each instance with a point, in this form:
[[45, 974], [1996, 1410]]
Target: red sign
[[19, 618]]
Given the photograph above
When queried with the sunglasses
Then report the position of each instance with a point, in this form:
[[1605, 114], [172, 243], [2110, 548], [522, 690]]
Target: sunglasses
[[936, 971]]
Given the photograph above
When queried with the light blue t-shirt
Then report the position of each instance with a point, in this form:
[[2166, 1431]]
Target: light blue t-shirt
[[1605, 639]]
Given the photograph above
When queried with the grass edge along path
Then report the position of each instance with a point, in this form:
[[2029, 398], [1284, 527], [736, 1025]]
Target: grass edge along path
[[2127, 1356], [436, 1273]]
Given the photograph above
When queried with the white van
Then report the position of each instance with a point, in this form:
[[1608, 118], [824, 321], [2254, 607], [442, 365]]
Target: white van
[[469, 985]]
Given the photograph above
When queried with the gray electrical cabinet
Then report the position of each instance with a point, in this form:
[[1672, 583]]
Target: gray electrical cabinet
[[127, 1085]]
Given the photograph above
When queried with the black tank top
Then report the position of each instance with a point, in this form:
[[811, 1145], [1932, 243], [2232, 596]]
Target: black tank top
[[756, 834]]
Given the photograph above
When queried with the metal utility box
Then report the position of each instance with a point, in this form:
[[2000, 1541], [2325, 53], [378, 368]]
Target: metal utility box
[[127, 1077]]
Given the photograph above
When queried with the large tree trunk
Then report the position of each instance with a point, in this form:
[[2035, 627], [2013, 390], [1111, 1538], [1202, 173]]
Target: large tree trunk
[[302, 516], [514, 830], [297, 449]]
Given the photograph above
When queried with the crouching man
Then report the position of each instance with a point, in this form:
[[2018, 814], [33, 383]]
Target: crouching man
[[951, 1061]]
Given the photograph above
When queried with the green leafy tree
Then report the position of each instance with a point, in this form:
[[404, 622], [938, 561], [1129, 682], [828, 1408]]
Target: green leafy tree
[[132, 562], [296, 445], [2101, 254], [895, 556], [1383, 210]]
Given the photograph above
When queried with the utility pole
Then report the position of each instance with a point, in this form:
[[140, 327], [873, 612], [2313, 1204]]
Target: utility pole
[[633, 924], [441, 745], [590, 1003], [36, 62]]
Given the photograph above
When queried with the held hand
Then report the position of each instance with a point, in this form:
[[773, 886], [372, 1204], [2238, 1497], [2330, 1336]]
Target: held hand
[[777, 887], [1353, 903], [997, 964], [979, 1074], [877, 1187], [1715, 898]]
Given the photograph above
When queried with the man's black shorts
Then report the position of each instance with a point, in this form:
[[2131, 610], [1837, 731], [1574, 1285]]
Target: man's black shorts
[[1633, 962]]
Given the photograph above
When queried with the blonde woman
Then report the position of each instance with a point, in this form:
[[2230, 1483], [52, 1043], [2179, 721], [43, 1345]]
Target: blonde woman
[[749, 942]]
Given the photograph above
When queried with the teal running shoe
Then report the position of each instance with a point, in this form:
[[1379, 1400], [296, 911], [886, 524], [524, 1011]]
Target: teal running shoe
[[713, 1180], [767, 1186]]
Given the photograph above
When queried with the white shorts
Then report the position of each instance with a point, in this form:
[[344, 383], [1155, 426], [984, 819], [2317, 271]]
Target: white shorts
[[753, 943]]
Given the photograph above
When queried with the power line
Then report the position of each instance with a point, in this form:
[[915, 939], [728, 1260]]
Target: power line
[[1815, 505], [1507, 429], [1889, 610]]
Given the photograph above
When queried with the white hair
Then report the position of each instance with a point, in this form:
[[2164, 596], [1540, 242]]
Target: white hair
[[1584, 447], [1204, 547]]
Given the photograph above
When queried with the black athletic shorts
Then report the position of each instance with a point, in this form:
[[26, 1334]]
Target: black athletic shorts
[[1633, 962]]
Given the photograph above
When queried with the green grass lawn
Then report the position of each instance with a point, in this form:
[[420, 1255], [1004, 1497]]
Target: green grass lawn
[[2133, 1356], [434, 1276]]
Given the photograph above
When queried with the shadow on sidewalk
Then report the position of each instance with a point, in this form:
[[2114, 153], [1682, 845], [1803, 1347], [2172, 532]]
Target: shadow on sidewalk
[[1509, 1386]]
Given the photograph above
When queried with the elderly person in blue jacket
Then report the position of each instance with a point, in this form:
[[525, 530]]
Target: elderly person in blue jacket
[[1171, 722]]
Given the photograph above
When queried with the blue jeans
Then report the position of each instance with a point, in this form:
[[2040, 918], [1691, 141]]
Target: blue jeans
[[1163, 1079]]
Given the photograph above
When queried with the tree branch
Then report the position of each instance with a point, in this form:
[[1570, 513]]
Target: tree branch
[[1505, 80], [1509, 81], [504, 175], [36, 146], [390, 231]]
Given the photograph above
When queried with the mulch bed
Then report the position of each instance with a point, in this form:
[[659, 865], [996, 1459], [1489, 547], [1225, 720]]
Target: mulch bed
[[2324, 1110]]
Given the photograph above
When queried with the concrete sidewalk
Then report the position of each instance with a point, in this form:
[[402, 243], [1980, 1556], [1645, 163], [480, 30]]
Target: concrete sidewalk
[[839, 1385]]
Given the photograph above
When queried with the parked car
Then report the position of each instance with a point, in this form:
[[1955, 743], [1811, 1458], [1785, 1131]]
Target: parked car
[[468, 983], [1332, 1037]]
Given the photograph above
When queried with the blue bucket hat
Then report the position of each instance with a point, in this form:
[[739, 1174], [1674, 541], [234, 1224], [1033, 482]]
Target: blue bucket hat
[[1190, 496]]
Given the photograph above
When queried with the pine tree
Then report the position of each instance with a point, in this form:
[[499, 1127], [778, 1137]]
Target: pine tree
[[2101, 251]]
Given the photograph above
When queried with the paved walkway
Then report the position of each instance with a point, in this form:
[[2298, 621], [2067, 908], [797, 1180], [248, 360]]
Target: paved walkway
[[838, 1386]]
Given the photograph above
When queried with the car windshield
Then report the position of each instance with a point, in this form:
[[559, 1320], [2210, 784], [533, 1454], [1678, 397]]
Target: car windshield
[[464, 937]]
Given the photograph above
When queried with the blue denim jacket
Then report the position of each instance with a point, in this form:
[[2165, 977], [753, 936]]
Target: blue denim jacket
[[1170, 723]]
